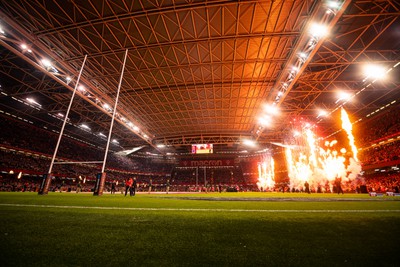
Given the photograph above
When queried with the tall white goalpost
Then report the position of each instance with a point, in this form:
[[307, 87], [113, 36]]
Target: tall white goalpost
[[100, 177]]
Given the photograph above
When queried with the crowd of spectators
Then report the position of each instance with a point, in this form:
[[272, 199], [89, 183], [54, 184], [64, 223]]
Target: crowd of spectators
[[18, 134], [209, 176], [385, 123], [383, 182], [27, 149], [379, 154], [373, 135]]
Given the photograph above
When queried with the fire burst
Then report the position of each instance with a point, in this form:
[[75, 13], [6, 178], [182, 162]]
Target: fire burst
[[307, 161], [266, 173]]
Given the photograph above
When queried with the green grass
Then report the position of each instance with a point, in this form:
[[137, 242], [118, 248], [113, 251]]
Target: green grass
[[220, 233]]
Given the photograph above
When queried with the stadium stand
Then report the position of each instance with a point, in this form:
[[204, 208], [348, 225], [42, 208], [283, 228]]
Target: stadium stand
[[26, 151]]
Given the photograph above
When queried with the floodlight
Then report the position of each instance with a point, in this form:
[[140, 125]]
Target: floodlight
[[333, 4], [249, 142], [302, 56], [343, 96], [318, 30], [265, 121], [46, 63], [322, 113], [271, 109], [33, 101], [374, 71], [85, 126]]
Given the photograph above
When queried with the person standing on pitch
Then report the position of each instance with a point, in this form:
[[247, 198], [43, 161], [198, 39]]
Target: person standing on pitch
[[150, 185], [133, 187], [128, 186], [78, 187], [113, 187], [339, 189], [168, 184], [307, 187]]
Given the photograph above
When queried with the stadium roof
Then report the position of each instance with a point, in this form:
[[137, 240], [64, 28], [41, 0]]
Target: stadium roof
[[196, 71]]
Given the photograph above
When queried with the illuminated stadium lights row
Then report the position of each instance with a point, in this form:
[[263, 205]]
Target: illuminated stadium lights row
[[47, 65], [33, 101], [88, 129], [316, 32], [14, 116], [368, 115], [372, 72], [31, 122], [267, 117], [58, 116], [381, 108]]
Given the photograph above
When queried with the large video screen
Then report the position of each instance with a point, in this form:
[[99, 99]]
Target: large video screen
[[202, 149]]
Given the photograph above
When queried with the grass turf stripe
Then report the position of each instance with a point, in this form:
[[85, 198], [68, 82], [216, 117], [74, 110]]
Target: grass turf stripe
[[207, 210]]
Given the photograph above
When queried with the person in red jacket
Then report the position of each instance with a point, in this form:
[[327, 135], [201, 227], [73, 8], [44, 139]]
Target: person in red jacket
[[128, 185]]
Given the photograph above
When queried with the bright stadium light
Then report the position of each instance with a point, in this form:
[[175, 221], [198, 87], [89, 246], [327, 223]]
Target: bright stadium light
[[322, 113], [302, 56], [46, 63], [33, 101], [343, 96], [374, 71], [334, 4], [85, 127], [271, 109], [265, 121], [26, 48], [249, 142], [318, 30]]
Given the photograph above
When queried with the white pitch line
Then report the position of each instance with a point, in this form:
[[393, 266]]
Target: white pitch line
[[215, 210]]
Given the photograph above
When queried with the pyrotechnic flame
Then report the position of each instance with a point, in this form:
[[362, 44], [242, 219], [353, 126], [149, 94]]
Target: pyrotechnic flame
[[312, 146], [266, 173], [320, 166], [348, 127]]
